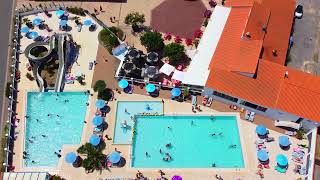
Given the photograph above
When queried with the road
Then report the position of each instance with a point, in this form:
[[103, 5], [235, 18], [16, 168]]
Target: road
[[5, 19]]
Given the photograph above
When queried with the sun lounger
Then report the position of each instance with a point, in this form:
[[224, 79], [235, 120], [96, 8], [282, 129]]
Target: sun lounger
[[194, 100], [247, 114], [269, 139], [290, 133], [287, 124], [259, 141], [79, 27], [90, 65], [280, 170], [209, 103], [252, 116]]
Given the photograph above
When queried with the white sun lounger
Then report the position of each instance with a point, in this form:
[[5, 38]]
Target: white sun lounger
[[289, 124], [194, 100]]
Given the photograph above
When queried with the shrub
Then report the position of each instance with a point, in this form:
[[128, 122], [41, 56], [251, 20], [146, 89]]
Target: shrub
[[100, 85], [168, 36], [117, 31], [134, 18], [207, 13], [177, 39], [212, 3], [77, 11], [188, 42], [109, 40], [174, 51], [197, 34], [196, 42], [8, 89], [105, 94], [80, 80], [205, 22], [300, 134], [29, 76], [152, 41]]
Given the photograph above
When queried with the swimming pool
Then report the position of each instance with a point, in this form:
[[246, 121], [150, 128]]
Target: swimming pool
[[64, 125], [196, 142], [124, 135]]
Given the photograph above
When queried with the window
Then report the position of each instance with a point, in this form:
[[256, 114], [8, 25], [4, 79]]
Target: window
[[253, 106], [224, 96]]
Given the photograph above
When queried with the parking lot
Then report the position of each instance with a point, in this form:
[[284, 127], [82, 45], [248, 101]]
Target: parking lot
[[304, 54]]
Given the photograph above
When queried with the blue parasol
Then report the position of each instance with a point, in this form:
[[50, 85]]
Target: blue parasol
[[114, 157], [94, 140], [123, 83], [97, 120], [25, 29], [150, 88], [71, 157], [284, 141], [63, 23], [282, 160], [176, 177], [261, 130], [33, 35], [262, 155], [37, 21], [100, 103], [59, 13], [176, 92], [87, 22]]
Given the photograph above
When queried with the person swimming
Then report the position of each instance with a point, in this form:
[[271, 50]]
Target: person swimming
[[233, 146]]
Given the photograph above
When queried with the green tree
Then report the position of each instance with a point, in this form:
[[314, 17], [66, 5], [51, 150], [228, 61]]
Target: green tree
[[94, 158], [100, 85], [134, 18], [152, 41], [174, 51], [105, 94], [109, 40]]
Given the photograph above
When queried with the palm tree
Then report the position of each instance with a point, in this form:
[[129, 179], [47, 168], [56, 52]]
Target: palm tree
[[94, 158]]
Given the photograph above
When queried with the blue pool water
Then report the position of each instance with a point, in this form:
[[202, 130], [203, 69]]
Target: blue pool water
[[193, 146], [124, 135], [65, 129]]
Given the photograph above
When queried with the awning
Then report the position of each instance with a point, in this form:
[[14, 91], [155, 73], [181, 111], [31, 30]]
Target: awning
[[166, 69], [25, 176], [178, 75]]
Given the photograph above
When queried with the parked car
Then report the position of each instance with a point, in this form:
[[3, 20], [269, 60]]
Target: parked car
[[299, 12]]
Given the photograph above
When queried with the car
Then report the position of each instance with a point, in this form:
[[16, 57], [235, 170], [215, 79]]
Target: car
[[299, 12]]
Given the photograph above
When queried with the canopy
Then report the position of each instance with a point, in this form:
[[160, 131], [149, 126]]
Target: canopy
[[94, 140], [176, 177], [152, 57], [114, 157], [150, 88], [176, 92], [100, 103], [71, 157], [289, 124], [97, 120], [59, 13], [37, 21], [261, 130], [262, 155], [25, 29], [123, 83], [87, 22], [133, 53], [284, 141], [63, 23], [178, 75], [166, 69], [282, 160], [33, 34], [151, 72]]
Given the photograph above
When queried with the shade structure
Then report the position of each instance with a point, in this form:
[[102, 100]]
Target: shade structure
[[94, 140], [284, 141], [100, 103], [167, 69], [150, 88], [59, 12], [97, 120], [151, 72], [178, 75], [123, 83], [25, 29], [63, 23], [262, 155], [176, 92], [152, 57], [37, 21], [87, 22], [114, 157], [282, 160], [71, 157], [133, 53], [261, 130], [33, 35], [176, 177]]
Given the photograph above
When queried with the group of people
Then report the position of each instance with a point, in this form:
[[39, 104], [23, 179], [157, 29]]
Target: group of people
[[196, 107]]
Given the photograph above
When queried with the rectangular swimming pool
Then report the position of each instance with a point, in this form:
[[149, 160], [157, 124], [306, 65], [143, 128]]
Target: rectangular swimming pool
[[126, 111], [196, 142], [52, 119]]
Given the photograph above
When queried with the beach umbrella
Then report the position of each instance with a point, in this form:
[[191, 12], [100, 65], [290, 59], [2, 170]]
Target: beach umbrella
[[94, 140], [59, 12], [151, 71], [150, 88], [282, 160], [37, 21], [25, 29], [63, 23], [123, 83], [176, 177], [152, 57], [33, 34], [97, 120], [284, 141], [176, 92], [133, 53], [114, 157], [100, 103], [262, 155], [128, 67], [71, 157], [87, 22], [261, 130]]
